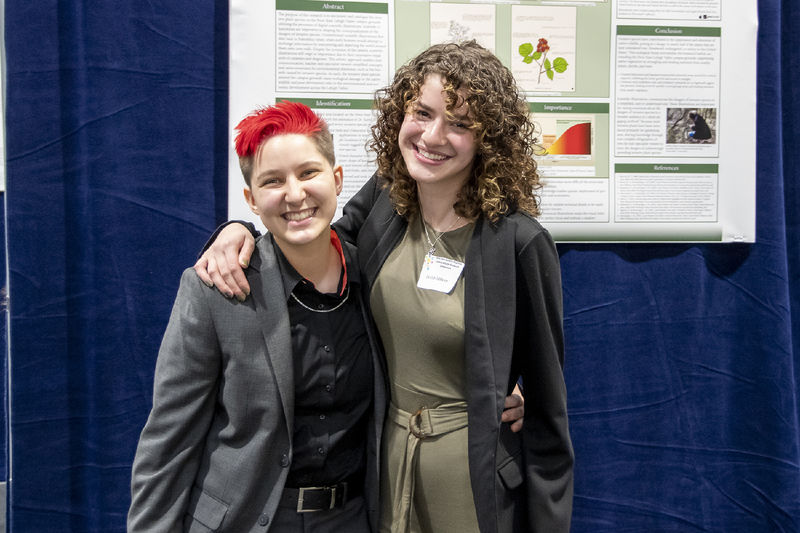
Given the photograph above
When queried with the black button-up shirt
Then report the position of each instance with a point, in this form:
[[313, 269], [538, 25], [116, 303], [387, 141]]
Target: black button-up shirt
[[333, 376]]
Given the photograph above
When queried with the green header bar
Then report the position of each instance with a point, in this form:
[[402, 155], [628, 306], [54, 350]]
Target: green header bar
[[332, 7], [669, 31], [332, 103], [571, 107], [661, 168]]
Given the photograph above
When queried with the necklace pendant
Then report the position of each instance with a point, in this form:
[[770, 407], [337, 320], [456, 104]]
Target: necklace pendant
[[432, 250]]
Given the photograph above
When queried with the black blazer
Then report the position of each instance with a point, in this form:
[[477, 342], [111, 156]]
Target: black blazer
[[521, 482]]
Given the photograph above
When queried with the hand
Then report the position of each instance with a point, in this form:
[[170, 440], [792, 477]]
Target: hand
[[222, 264], [514, 410]]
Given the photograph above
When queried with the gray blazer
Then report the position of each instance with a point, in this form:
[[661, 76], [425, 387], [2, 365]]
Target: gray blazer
[[216, 449]]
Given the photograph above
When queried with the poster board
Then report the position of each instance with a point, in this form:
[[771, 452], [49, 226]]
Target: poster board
[[646, 110]]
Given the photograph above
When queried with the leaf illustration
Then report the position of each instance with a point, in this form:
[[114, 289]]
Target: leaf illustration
[[525, 49], [537, 55], [547, 66], [559, 64], [527, 60], [549, 73]]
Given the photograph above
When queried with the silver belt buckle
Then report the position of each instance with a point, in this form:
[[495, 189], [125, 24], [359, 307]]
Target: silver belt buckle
[[301, 496]]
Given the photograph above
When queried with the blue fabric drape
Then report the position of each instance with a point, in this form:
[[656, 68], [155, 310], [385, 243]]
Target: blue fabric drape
[[117, 154], [682, 360]]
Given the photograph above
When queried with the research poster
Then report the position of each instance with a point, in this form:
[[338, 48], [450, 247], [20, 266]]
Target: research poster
[[645, 110]]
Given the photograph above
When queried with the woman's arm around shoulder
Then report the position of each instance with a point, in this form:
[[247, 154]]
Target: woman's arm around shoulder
[[225, 256]]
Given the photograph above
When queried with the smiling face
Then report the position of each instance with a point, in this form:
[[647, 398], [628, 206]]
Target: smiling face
[[293, 190], [437, 149]]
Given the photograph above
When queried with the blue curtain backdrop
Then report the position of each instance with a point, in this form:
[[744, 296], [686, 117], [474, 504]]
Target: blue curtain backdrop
[[682, 360]]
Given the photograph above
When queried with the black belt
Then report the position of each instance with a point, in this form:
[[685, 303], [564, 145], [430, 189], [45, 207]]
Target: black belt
[[310, 499]]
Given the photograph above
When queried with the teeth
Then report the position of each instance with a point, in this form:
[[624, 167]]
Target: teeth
[[429, 155], [299, 215]]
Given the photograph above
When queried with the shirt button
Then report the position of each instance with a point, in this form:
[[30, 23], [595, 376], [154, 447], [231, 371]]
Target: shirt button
[[320, 306], [263, 520], [284, 462], [321, 450], [326, 348], [328, 388], [322, 417]]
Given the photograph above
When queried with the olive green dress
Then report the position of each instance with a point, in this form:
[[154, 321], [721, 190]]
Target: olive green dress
[[425, 485]]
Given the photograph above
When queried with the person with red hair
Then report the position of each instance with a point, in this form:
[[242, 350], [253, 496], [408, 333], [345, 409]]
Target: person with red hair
[[267, 413]]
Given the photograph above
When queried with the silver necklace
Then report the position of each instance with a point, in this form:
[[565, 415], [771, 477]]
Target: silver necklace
[[432, 244], [347, 294]]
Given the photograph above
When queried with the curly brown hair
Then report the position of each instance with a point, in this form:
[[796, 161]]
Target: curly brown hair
[[504, 177]]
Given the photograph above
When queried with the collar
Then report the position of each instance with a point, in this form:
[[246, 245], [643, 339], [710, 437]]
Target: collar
[[291, 278]]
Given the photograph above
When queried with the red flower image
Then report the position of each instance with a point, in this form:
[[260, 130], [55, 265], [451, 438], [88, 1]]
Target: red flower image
[[548, 67]]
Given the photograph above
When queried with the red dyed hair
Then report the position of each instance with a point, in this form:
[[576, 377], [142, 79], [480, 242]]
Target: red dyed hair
[[281, 119]]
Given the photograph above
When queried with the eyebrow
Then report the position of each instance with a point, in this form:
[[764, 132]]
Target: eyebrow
[[263, 174], [303, 165], [463, 118]]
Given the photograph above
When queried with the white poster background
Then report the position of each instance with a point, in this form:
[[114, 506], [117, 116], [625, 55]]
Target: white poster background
[[253, 74], [461, 22]]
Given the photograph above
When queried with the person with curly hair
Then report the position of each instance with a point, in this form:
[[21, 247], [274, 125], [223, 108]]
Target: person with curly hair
[[464, 286]]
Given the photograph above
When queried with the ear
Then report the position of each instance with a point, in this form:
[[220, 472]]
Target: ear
[[338, 177], [248, 196]]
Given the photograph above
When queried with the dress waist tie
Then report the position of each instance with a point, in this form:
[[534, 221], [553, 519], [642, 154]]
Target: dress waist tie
[[421, 425]]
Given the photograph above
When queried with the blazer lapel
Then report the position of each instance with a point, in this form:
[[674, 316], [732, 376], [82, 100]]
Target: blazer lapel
[[499, 284], [489, 305], [266, 288], [377, 240]]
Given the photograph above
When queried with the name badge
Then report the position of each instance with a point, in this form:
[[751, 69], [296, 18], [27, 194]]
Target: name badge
[[439, 273]]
